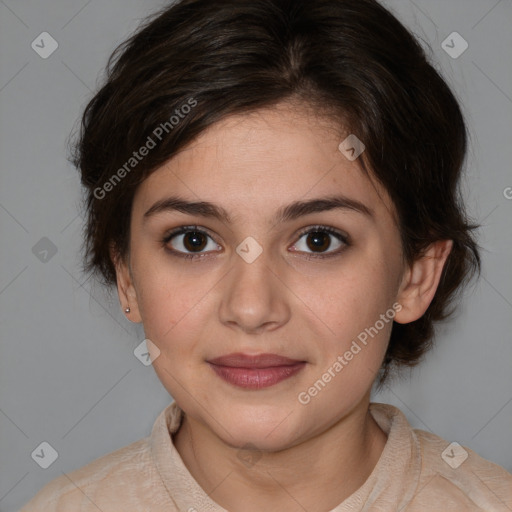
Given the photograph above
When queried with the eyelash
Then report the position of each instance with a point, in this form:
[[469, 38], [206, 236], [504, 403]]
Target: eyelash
[[309, 256]]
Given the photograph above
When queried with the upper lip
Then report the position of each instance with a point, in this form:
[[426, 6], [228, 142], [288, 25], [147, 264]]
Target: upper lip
[[239, 360]]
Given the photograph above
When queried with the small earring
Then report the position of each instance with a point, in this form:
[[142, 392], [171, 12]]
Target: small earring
[[127, 310]]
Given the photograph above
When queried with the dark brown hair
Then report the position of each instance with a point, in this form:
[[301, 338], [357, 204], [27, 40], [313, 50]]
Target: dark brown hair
[[350, 60]]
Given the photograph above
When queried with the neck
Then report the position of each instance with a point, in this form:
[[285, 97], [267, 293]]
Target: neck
[[316, 474]]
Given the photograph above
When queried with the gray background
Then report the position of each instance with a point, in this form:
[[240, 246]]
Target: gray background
[[67, 369]]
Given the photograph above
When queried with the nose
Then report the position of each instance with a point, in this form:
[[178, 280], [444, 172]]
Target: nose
[[255, 298]]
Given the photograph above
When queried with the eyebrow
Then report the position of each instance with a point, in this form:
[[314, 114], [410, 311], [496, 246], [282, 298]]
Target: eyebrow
[[284, 214]]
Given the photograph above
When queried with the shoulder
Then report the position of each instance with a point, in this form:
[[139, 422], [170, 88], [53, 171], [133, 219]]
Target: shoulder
[[426, 472], [456, 477], [84, 488]]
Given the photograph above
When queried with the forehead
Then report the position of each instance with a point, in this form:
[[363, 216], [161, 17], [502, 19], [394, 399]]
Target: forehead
[[253, 163]]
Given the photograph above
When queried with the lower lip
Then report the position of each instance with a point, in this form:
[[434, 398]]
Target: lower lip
[[256, 378]]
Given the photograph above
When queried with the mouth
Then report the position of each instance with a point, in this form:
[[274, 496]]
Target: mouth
[[255, 372]]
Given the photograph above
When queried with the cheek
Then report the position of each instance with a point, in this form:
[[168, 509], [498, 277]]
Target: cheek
[[167, 307], [345, 318], [351, 299], [174, 321], [350, 356]]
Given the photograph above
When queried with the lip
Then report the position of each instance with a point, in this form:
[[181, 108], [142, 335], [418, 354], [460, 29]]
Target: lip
[[240, 360], [255, 372]]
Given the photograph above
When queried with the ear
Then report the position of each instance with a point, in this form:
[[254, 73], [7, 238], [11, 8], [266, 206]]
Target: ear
[[420, 282], [125, 286]]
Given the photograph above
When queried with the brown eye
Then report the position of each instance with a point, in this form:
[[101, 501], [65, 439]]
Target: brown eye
[[319, 239], [194, 241], [188, 241]]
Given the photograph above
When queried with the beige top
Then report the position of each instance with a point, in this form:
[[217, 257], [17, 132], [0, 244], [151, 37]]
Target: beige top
[[413, 474]]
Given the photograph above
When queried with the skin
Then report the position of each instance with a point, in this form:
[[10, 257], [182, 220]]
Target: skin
[[309, 456]]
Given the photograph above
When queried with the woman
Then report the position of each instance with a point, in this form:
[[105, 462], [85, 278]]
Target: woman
[[273, 187]]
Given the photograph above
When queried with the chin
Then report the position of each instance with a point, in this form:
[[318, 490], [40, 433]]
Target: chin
[[272, 433]]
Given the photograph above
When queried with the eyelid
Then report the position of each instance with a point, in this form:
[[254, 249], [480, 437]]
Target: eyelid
[[344, 237], [185, 229]]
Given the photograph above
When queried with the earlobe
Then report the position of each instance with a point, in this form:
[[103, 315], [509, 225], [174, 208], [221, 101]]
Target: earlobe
[[421, 280], [125, 287]]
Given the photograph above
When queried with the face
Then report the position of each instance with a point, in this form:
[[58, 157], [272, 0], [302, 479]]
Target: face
[[303, 282]]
